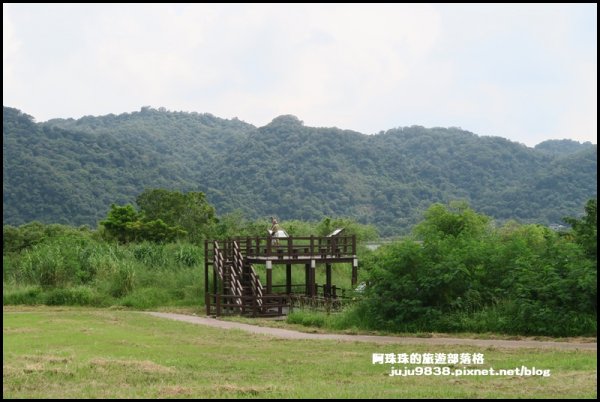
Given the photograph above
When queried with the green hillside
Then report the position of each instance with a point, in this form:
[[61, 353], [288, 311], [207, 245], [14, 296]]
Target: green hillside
[[70, 171]]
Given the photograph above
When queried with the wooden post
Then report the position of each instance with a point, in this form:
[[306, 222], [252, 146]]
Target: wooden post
[[327, 290], [218, 303], [215, 283], [354, 271], [207, 302], [288, 278], [269, 277], [311, 276], [206, 273], [307, 278]]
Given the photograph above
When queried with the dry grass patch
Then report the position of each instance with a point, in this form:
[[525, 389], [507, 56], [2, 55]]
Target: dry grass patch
[[175, 391], [242, 390], [145, 366]]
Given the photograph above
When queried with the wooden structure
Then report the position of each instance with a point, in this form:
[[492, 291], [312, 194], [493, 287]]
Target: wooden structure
[[236, 287]]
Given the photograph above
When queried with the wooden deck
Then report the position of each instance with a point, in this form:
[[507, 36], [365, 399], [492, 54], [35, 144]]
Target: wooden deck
[[237, 287]]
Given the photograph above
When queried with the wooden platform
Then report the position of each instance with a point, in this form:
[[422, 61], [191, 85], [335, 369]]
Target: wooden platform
[[236, 286]]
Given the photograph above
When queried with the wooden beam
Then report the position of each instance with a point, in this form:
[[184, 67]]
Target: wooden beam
[[269, 277], [327, 280], [313, 268], [206, 296], [307, 279]]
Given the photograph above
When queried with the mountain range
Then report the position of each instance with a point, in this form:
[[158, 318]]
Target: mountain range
[[70, 170]]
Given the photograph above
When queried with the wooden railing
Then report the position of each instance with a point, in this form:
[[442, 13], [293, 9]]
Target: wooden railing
[[255, 285], [236, 273], [292, 247], [229, 273], [219, 261], [296, 247]]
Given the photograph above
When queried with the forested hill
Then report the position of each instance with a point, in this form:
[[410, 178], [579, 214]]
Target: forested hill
[[70, 171], [562, 147]]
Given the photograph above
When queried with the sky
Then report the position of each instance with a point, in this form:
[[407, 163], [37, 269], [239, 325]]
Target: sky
[[523, 72]]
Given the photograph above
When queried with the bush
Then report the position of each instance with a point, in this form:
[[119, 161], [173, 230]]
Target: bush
[[78, 296], [146, 298], [150, 254], [466, 275], [123, 281], [187, 255], [29, 295], [307, 318]]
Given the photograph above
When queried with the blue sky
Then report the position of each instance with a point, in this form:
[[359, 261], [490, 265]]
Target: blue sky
[[524, 72]]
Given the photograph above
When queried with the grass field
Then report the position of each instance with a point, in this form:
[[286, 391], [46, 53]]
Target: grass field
[[93, 353]]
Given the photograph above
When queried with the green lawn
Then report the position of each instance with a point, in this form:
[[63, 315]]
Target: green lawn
[[91, 353]]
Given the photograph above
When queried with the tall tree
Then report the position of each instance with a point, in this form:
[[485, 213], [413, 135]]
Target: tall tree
[[190, 210], [118, 222]]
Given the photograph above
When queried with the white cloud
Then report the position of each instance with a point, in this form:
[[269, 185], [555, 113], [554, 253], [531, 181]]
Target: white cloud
[[10, 49], [516, 71], [579, 119]]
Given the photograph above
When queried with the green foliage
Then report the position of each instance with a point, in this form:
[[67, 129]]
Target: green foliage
[[155, 231], [234, 224], [151, 255], [22, 295], [585, 230], [120, 222], [16, 239], [146, 298], [125, 224], [187, 255], [351, 227], [562, 147], [74, 267], [76, 296], [462, 274], [456, 220], [189, 211], [70, 171], [467, 276], [307, 318], [123, 281], [352, 318]]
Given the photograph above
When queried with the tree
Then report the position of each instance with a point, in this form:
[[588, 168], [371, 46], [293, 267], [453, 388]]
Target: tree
[[126, 224], [155, 230], [119, 221], [456, 220], [585, 229], [189, 211]]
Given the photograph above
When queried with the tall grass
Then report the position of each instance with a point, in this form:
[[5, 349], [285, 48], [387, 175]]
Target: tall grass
[[77, 269]]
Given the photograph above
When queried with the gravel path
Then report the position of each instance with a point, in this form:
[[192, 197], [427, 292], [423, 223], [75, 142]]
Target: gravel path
[[289, 334]]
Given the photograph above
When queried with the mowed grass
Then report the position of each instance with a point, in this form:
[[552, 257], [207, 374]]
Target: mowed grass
[[91, 353]]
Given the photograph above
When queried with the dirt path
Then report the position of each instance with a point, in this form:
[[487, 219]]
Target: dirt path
[[289, 334]]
